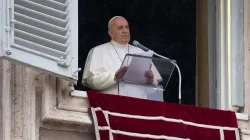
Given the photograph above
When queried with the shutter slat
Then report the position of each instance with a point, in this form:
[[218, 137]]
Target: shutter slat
[[40, 32], [40, 24], [42, 8], [40, 16], [40, 40], [52, 4], [39, 48], [61, 1]]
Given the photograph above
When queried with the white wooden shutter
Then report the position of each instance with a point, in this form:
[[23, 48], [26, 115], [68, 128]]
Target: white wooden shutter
[[2, 26], [44, 34]]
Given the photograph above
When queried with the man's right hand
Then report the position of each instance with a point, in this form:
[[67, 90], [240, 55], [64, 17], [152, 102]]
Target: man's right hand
[[120, 73]]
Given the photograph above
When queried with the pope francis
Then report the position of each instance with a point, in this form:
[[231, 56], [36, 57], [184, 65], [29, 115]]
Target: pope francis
[[102, 68]]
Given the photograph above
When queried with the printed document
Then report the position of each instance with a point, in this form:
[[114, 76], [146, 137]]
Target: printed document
[[137, 68]]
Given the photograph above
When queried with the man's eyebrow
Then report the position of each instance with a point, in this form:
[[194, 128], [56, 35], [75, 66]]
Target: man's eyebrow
[[120, 26]]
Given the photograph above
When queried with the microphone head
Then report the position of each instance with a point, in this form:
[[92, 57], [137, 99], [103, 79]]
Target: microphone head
[[135, 42]]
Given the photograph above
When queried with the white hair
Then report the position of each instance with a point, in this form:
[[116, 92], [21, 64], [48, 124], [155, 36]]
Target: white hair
[[109, 23]]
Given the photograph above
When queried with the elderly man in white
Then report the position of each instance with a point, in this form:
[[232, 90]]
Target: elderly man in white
[[102, 68]]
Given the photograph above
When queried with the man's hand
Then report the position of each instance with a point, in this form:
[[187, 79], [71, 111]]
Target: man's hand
[[120, 73], [149, 74]]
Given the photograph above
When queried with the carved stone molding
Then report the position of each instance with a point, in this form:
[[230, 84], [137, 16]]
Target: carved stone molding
[[67, 102], [59, 109]]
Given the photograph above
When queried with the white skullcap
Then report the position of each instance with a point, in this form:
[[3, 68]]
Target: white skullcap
[[109, 25], [114, 18]]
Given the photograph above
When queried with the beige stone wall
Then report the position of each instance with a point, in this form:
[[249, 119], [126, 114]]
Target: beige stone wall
[[46, 134], [37, 106], [245, 125]]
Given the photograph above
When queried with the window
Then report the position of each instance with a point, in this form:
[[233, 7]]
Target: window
[[167, 27]]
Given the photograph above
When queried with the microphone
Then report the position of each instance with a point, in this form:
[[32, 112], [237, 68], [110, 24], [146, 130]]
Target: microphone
[[139, 45]]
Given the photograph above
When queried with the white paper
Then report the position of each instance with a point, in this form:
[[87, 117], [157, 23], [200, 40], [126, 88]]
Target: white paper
[[137, 68]]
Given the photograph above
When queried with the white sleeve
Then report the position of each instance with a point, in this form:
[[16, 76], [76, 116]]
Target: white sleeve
[[101, 80], [96, 78]]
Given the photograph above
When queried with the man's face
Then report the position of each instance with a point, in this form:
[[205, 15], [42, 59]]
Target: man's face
[[120, 30]]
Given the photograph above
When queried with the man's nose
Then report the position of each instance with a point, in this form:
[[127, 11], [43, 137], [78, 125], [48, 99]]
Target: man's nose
[[125, 30]]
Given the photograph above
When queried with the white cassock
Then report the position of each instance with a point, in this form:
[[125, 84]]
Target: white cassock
[[101, 65]]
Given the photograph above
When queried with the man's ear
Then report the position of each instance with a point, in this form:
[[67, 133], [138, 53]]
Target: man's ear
[[110, 33]]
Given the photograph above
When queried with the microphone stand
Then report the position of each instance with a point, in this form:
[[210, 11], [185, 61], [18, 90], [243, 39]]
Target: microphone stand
[[178, 69]]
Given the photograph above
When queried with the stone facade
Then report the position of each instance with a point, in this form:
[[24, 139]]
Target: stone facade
[[38, 106]]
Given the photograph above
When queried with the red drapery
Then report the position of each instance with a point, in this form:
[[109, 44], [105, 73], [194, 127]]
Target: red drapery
[[125, 118]]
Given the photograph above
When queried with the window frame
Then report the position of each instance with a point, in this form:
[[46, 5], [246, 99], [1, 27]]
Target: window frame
[[225, 44]]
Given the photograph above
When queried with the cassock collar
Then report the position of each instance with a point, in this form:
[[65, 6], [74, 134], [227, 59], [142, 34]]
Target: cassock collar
[[117, 44]]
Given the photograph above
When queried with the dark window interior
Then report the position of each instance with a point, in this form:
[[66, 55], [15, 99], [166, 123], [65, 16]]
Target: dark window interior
[[167, 27]]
